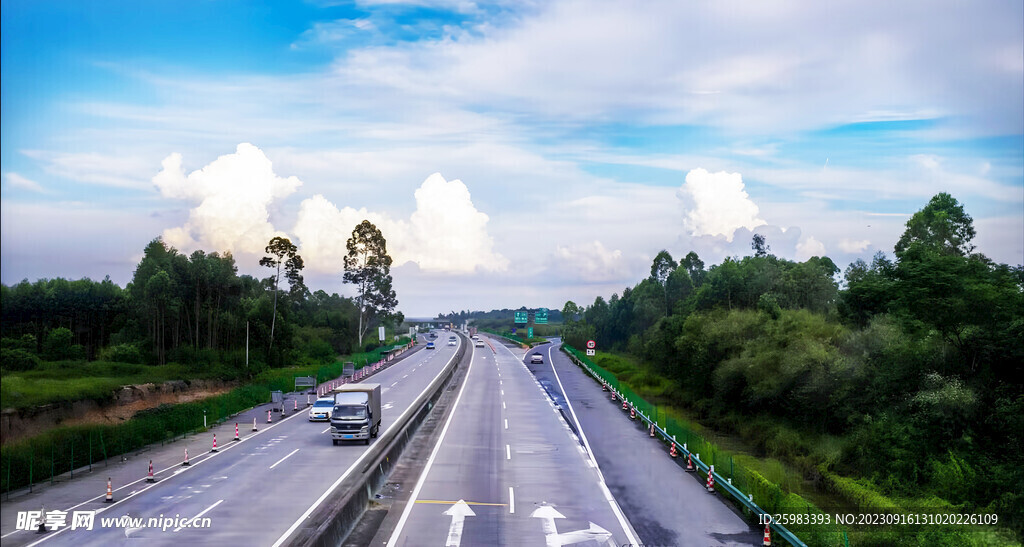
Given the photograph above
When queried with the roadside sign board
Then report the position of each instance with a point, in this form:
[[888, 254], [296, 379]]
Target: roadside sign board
[[541, 317], [529, 332], [380, 333], [591, 344], [590, 353], [522, 317]]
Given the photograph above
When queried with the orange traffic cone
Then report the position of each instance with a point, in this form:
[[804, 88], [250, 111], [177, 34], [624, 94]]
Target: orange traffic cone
[[236, 432], [767, 536], [150, 477], [632, 413], [672, 453], [711, 479], [186, 458], [214, 443], [689, 463], [296, 401], [110, 492], [624, 405], [604, 386], [613, 396]]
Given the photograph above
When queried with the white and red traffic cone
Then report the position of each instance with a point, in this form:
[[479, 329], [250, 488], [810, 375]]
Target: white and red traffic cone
[[652, 429], [624, 405], [672, 452], [254, 423], [767, 536], [186, 458], [236, 432], [268, 417], [150, 477], [214, 443], [632, 413], [689, 463], [604, 386], [296, 401], [711, 479], [613, 395], [110, 492]]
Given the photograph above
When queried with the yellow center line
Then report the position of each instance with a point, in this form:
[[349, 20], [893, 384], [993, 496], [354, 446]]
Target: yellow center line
[[443, 502]]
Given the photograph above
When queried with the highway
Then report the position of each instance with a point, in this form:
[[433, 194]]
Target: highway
[[666, 505], [507, 470], [254, 491]]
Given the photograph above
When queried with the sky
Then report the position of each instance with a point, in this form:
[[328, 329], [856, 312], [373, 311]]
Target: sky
[[513, 153]]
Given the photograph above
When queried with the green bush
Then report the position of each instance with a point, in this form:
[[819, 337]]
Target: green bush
[[26, 342], [17, 359], [123, 353], [58, 345]]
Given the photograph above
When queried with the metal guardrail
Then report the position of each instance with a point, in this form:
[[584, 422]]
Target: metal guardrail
[[720, 481]]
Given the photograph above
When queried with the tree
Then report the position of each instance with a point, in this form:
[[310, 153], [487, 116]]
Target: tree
[[662, 266], [570, 311], [368, 267], [942, 224], [760, 246], [695, 267], [278, 249]]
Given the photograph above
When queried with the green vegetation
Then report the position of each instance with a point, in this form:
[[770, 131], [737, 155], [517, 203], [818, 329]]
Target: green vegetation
[[900, 391]]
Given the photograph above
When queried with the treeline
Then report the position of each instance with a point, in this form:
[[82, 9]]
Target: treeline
[[905, 373], [189, 309]]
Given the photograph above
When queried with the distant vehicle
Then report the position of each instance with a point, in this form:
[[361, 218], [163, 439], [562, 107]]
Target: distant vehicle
[[433, 335], [356, 414], [452, 341], [321, 409], [536, 357], [430, 345], [479, 343]]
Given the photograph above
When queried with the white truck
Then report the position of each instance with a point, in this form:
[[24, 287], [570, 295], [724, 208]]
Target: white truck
[[356, 413]]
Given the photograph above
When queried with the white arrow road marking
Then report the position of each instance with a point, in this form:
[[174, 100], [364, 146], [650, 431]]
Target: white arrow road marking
[[595, 532], [458, 512], [388, 406], [548, 514]]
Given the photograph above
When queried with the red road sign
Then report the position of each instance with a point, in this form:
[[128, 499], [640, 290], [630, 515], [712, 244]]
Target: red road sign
[[591, 344]]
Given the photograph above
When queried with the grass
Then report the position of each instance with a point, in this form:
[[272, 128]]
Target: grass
[[55, 382]]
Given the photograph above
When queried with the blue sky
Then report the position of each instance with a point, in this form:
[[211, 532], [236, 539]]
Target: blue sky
[[572, 140]]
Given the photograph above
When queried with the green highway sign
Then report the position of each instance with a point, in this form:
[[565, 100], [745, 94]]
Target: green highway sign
[[522, 317], [541, 317]]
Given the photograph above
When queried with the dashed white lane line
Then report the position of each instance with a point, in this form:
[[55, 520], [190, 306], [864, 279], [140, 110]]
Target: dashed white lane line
[[506, 423], [508, 452], [203, 512], [503, 405], [511, 500], [284, 458], [326, 430]]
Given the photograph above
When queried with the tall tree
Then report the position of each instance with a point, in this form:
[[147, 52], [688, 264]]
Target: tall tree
[[282, 254], [942, 224], [760, 246], [368, 267], [695, 267]]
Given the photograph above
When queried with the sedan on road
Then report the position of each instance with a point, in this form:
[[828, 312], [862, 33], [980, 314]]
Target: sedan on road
[[430, 345], [321, 409], [537, 358]]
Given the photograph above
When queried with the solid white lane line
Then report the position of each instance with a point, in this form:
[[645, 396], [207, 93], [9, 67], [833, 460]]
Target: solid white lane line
[[392, 541], [511, 500], [626, 527], [508, 452], [201, 513], [284, 458]]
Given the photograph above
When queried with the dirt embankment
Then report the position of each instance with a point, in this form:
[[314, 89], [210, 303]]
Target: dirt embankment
[[17, 424]]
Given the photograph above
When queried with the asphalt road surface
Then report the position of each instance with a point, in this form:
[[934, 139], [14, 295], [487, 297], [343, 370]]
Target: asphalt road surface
[[254, 491], [665, 505], [507, 470]]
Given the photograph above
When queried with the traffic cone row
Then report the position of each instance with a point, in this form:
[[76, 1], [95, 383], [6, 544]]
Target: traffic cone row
[[110, 492], [150, 477], [767, 536], [214, 443], [236, 432], [711, 479]]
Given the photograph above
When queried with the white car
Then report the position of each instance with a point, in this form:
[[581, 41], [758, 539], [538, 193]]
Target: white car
[[536, 358], [451, 341], [321, 409], [479, 343]]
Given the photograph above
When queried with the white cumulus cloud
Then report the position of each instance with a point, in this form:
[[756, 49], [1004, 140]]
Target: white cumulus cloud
[[809, 247], [24, 183], [590, 262], [445, 234], [232, 195], [717, 204], [853, 246]]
